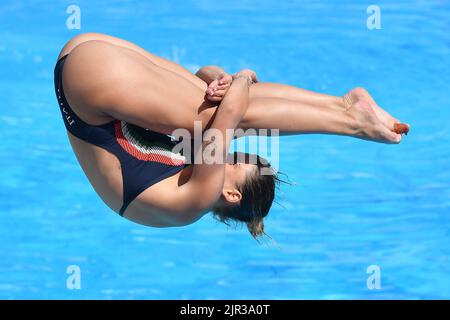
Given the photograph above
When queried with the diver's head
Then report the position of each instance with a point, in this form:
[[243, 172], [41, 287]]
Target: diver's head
[[248, 192]]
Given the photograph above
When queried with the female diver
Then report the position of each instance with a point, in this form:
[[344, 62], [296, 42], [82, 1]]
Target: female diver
[[109, 90]]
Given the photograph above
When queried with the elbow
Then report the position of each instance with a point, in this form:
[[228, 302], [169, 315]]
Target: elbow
[[232, 108]]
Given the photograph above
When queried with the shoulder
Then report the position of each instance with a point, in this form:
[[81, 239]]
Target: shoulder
[[167, 204]]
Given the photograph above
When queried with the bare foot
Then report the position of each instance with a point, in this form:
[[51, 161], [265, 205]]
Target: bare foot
[[371, 122], [361, 94]]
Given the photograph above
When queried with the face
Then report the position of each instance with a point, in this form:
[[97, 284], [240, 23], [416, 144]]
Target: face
[[235, 174]]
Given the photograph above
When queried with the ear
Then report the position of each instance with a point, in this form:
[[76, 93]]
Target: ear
[[232, 195]]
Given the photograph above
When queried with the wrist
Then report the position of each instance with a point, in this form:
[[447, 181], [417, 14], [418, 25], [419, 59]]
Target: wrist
[[246, 78]]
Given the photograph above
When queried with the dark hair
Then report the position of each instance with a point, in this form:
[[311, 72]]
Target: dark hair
[[258, 192]]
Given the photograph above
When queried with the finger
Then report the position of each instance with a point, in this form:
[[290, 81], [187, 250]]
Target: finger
[[209, 96], [214, 84], [220, 92], [223, 87], [211, 89], [226, 79], [222, 77], [214, 98]]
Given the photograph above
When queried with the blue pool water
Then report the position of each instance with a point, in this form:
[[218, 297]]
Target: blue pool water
[[354, 204]]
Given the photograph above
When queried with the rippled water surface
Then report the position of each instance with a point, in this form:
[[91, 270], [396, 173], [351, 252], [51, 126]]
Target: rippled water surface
[[354, 204]]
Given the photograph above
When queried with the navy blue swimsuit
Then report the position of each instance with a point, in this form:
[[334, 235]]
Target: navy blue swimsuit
[[145, 156]]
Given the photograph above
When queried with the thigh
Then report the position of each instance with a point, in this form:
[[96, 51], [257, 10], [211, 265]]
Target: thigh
[[124, 85], [159, 61]]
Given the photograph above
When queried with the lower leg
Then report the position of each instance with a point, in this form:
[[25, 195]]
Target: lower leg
[[277, 90], [293, 117], [355, 118]]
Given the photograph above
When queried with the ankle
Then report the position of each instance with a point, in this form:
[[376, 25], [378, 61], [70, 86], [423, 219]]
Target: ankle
[[352, 124], [339, 103]]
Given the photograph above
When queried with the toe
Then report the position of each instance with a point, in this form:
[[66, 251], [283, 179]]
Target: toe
[[400, 128]]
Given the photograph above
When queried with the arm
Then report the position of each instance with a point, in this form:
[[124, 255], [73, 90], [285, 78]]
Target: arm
[[207, 179]]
